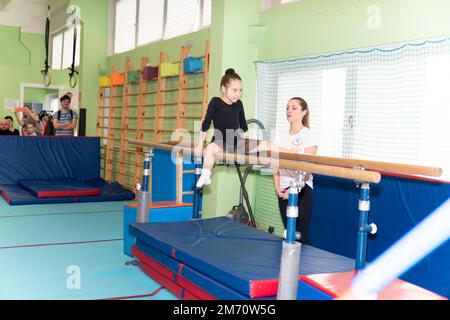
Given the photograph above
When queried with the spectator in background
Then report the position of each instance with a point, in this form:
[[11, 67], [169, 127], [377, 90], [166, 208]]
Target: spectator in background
[[30, 130], [4, 128], [28, 116], [65, 120], [14, 131], [47, 123], [70, 95]]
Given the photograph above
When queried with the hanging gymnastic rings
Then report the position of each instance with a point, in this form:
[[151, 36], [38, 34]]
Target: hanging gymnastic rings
[[73, 78], [73, 81], [47, 78]]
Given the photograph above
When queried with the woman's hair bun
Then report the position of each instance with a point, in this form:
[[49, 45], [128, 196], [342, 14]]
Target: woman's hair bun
[[230, 71]]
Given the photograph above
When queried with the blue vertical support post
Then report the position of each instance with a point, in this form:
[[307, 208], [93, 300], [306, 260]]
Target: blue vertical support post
[[364, 228], [197, 191], [290, 256], [292, 215], [144, 195]]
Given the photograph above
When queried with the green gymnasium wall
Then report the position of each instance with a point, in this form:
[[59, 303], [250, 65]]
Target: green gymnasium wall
[[21, 61]]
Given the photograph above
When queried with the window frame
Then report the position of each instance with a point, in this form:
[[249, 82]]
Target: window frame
[[267, 5], [113, 26], [62, 31], [113, 7]]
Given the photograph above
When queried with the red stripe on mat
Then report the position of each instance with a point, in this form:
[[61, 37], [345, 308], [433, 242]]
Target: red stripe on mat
[[68, 193], [154, 293], [58, 244], [413, 177], [5, 196], [174, 288], [190, 287]]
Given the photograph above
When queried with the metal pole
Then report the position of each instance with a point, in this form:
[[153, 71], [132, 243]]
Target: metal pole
[[144, 195], [290, 256], [427, 236], [197, 191], [364, 228]]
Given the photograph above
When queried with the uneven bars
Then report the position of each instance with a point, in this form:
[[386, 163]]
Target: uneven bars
[[334, 171]]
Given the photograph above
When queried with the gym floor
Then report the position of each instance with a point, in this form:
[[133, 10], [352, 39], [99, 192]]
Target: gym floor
[[69, 251]]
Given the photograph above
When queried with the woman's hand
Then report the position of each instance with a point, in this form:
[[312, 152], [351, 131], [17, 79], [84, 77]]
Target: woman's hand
[[283, 193]]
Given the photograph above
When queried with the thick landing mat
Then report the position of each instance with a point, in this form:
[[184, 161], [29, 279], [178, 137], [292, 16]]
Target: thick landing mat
[[16, 195], [7, 211], [245, 259], [184, 273], [165, 278], [51, 273]]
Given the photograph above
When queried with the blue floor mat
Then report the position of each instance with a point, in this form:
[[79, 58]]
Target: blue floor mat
[[42, 273]]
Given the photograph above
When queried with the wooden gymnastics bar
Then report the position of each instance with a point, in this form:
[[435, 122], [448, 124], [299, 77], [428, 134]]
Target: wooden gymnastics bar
[[355, 163], [340, 172], [365, 164]]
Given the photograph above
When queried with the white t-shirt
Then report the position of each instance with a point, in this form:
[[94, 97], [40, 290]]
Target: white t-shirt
[[296, 143]]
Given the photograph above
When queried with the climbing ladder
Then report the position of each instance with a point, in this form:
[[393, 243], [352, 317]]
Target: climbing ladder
[[149, 110]]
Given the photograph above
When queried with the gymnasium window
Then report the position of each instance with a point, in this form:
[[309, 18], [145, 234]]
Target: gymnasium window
[[271, 4], [125, 25], [151, 27], [385, 104], [139, 22], [62, 49]]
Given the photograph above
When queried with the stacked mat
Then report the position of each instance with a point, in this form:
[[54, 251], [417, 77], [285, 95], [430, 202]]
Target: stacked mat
[[39, 170], [63, 191], [220, 258]]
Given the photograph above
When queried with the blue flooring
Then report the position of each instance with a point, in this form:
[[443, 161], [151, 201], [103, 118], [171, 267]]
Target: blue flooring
[[60, 228], [47, 250]]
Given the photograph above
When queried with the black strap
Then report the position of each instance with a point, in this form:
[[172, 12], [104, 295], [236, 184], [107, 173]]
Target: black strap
[[47, 41], [58, 116], [72, 68], [73, 71]]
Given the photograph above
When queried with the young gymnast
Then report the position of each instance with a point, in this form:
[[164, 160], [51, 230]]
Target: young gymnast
[[227, 114]]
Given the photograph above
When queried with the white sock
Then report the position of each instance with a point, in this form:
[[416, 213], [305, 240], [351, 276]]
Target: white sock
[[205, 178]]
